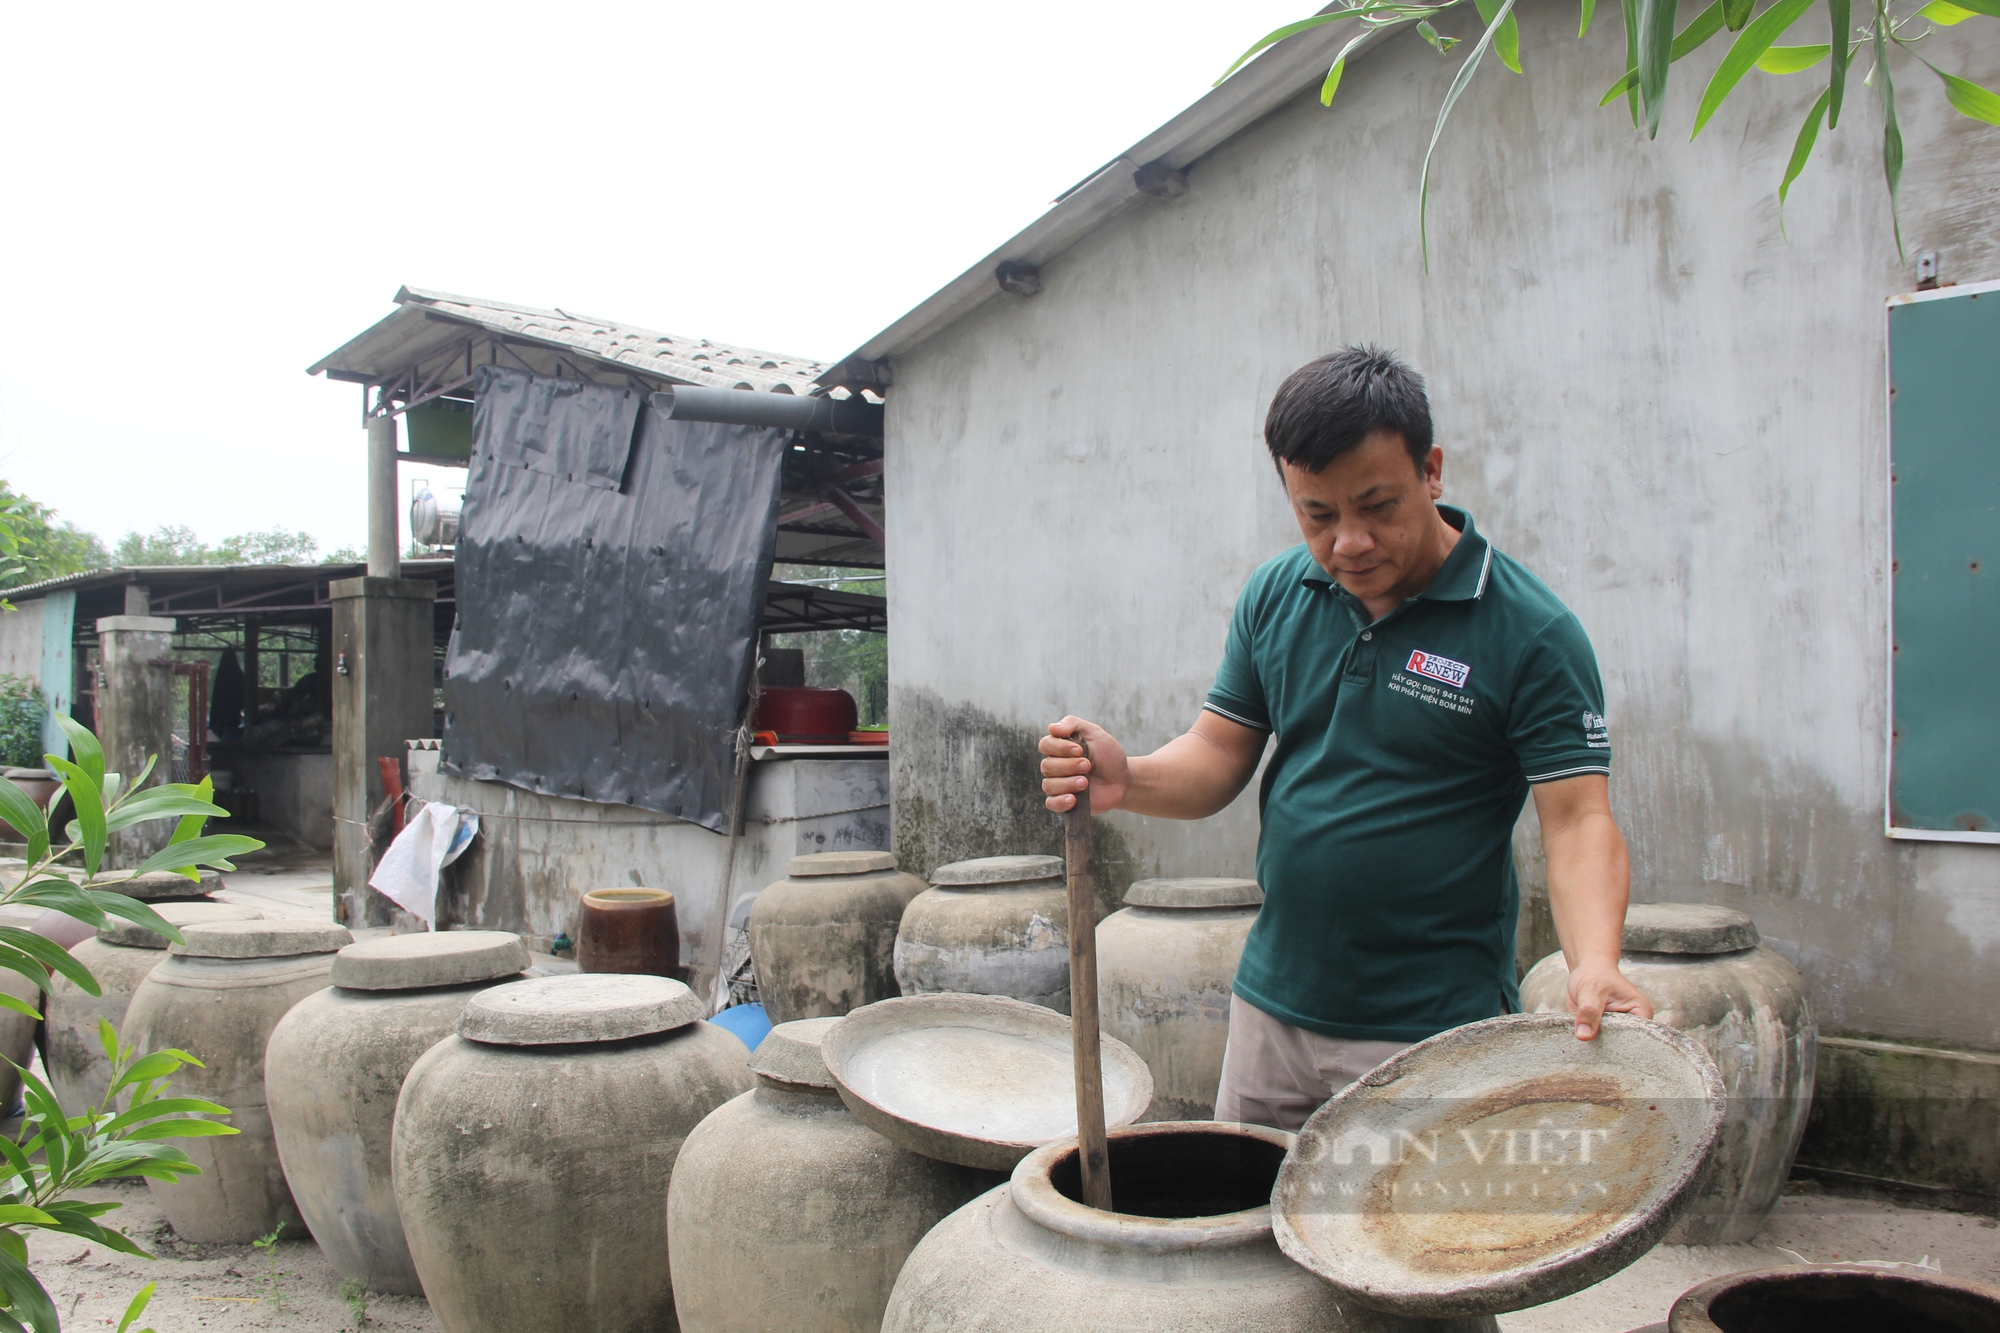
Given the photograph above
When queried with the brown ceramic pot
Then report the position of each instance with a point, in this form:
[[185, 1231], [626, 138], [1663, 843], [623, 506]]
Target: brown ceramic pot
[[629, 930]]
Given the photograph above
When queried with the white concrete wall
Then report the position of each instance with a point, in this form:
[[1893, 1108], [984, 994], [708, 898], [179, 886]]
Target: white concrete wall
[[1671, 414], [294, 791], [21, 640]]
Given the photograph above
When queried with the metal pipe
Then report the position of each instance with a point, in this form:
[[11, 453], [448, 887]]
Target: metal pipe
[[780, 411], [384, 552]]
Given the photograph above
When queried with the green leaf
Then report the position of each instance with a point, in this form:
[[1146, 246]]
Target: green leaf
[[1791, 59], [1970, 99], [50, 955], [1583, 27], [107, 1037], [131, 909], [1277, 35], [1704, 26], [1751, 43], [17, 1161], [1452, 94], [59, 895], [1840, 15], [1332, 84], [83, 747], [191, 825], [22, 813], [21, 1215], [157, 1064], [86, 796], [26, 1300], [1945, 14], [154, 1110], [21, 1007], [1736, 13], [1431, 35], [181, 1129], [1631, 10], [137, 1307], [162, 803], [1507, 44], [1990, 8], [210, 850], [1656, 45], [1892, 133]]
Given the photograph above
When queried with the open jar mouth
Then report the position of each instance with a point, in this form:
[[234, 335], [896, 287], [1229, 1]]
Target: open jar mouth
[[1174, 1185], [1836, 1300]]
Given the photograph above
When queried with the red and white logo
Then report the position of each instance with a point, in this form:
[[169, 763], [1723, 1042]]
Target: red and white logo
[[1439, 668]]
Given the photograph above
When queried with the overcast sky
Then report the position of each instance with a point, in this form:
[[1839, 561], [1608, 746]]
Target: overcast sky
[[204, 200]]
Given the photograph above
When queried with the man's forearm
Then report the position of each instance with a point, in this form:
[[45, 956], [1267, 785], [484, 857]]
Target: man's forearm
[[1589, 882], [1190, 777]]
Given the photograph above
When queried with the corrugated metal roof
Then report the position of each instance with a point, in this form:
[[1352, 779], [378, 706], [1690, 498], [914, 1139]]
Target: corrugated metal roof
[[427, 323]]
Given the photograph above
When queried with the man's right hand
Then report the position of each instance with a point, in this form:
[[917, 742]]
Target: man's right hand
[[1066, 772]]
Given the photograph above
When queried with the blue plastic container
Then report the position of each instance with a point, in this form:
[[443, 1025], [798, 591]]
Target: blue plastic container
[[745, 1022]]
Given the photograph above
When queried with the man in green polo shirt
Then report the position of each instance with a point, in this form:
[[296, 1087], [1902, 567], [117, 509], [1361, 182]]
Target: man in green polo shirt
[[1418, 684]]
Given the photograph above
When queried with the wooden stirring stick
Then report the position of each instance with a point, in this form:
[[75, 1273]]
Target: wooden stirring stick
[[1093, 1154]]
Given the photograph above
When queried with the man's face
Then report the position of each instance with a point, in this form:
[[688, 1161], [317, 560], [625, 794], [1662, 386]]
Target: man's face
[[1370, 518]]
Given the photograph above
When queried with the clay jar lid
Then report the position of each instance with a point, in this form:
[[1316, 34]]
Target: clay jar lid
[[1687, 928], [991, 870], [161, 886], [790, 1053], [274, 937], [413, 962], [1194, 893], [1500, 1165], [839, 863], [581, 1007], [132, 935]]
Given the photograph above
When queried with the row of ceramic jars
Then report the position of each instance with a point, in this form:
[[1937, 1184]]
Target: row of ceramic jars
[[845, 929]]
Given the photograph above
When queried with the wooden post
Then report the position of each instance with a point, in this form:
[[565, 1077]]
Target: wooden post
[[1094, 1156]]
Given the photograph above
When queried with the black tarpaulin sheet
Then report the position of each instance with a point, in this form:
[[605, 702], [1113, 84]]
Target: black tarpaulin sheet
[[606, 635]]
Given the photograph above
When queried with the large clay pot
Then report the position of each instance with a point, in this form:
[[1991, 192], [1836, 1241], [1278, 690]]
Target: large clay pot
[[629, 930], [533, 1150], [824, 938], [1164, 967], [218, 996], [1835, 1299], [802, 713], [334, 1067], [783, 1193], [1706, 975], [1189, 1249], [995, 926], [119, 956]]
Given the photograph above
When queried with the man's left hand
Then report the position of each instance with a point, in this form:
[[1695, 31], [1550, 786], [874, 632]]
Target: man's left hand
[[1598, 988]]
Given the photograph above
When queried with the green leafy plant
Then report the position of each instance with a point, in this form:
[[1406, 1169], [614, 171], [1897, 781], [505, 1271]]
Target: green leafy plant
[[57, 1154], [355, 1292], [22, 709], [1654, 41], [270, 1282]]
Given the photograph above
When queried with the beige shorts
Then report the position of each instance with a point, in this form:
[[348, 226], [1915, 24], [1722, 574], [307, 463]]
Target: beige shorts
[[1278, 1075]]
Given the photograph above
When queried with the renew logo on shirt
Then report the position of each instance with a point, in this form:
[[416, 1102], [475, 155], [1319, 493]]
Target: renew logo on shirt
[[1438, 668]]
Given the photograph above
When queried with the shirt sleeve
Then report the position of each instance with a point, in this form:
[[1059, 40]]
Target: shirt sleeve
[[1555, 721], [1238, 694]]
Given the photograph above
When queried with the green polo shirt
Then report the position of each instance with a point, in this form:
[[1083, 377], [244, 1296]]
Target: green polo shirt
[[1404, 751]]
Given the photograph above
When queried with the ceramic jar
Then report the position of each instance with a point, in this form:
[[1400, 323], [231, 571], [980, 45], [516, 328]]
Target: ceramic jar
[[1189, 1250], [824, 938], [782, 1192], [218, 996], [629, 930], [995, 926], [533, 1150], [120, 956], [1707, 975], [1165, 962], [334, 1067]]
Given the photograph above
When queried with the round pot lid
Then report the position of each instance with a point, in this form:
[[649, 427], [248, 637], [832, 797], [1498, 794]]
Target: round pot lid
[[998, 870], [979, 1080], [790, 1053], [132, 935], [1687, 928], [839, 863], [1500, 1165], [447, 958], [578, 1007], [1194, 893], [159, 886], [267, 937]]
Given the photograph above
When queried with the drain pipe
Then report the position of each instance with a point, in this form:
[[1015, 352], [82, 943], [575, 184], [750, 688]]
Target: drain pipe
[[779, 411]]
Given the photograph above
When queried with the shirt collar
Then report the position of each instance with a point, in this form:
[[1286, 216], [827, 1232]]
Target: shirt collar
[[1462, 576]]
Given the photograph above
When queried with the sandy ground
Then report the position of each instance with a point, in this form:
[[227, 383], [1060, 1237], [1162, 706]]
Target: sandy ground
[[231, 1287]]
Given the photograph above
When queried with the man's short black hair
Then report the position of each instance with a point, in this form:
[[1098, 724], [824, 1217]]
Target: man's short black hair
[[1329, 406]]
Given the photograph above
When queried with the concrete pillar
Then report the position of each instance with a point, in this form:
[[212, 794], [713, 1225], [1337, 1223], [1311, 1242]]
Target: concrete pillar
[[138, 600], [384, 551], [382, 697], [135, 718]]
